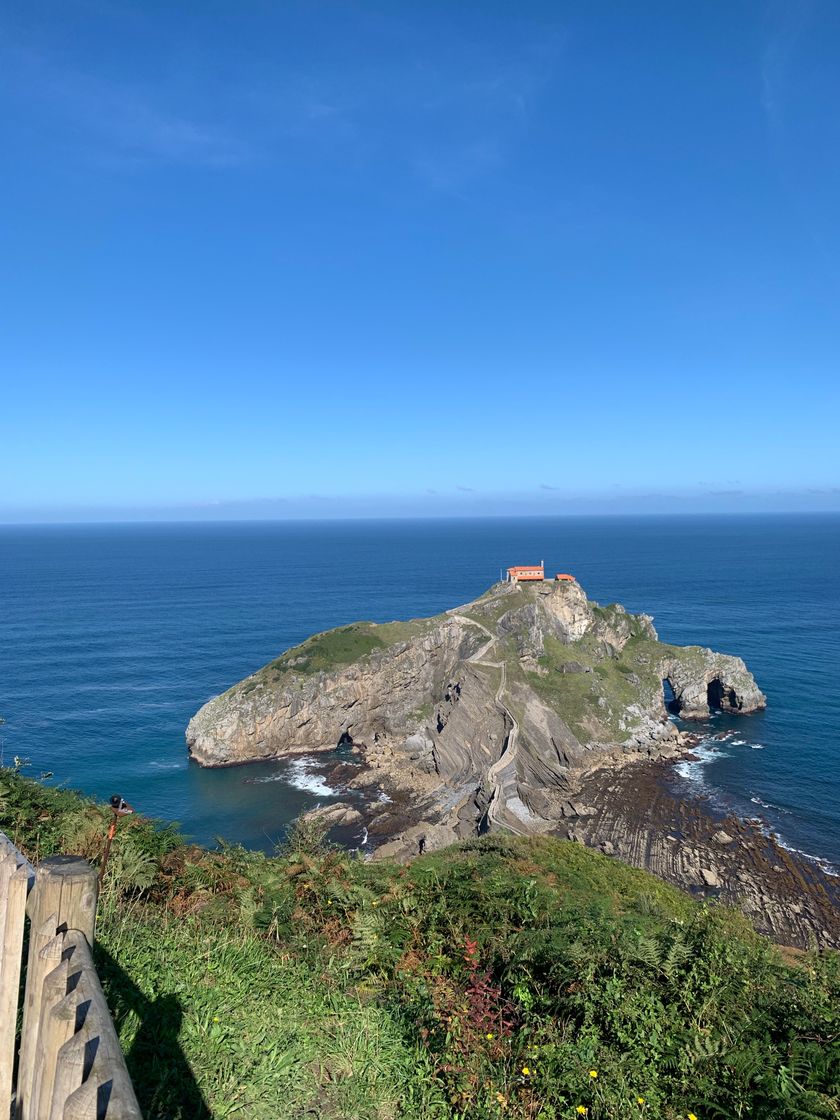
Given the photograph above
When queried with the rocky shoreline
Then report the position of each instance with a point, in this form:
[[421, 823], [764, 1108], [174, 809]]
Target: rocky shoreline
[[643, 819], [531, 710], [634, 811], [490, 711]]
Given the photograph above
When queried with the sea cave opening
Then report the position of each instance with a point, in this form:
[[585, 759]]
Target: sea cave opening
[[672, 704], [719, 698], [345, 740]]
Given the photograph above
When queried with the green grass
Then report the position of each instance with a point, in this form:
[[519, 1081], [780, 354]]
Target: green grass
[[332, 649], [575, 695], [218, 1021], [315, 984]]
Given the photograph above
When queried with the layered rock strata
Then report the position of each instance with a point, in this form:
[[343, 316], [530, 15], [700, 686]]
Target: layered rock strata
[[488, 714]]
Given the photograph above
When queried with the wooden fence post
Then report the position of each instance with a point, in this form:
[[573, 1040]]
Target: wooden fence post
[[91, 1079], [64, 898], [52, 993], [70, 1063], [14, 884]]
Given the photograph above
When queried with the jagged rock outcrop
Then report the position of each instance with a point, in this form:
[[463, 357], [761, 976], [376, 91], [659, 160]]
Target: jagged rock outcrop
[[289, 708], [488, 712], [337, 814], [710, 679]]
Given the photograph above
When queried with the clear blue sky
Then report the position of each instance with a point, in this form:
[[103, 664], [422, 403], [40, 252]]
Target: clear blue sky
[[294, 259]]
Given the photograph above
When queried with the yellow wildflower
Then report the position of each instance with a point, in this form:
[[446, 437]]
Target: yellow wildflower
[[216, 1019], [640, 1100], [489, 1035], [526, 1071], [593, 1073], [582, 1109], [691, 1116]]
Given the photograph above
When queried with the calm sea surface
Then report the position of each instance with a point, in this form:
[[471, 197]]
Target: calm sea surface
[[111, 637]]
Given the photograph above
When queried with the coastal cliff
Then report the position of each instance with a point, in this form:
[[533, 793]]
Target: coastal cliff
[[489, 713]]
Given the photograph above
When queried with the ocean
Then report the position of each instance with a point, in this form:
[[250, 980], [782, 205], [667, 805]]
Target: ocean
[[112, 636]]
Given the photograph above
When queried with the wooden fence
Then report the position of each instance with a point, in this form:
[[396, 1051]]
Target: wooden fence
[[69, 1062]]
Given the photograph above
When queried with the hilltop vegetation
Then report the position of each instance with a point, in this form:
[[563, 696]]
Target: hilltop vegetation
[[330, 650], [503, 977], [497, 707]]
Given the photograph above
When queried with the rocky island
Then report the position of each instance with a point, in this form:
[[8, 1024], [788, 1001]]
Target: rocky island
[[523, 711], [490, 712]]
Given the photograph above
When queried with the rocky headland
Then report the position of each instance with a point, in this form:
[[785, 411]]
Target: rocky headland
[[493, 710], [520, 711]]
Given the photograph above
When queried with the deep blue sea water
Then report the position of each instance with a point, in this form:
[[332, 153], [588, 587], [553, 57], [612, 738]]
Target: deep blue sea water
[[111, 637]]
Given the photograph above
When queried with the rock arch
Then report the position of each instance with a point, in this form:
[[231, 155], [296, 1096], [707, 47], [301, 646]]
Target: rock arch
[[705, 682], [669, 697], [720, 697]]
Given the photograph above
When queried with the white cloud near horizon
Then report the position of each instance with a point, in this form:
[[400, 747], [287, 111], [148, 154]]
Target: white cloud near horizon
[[455, 503]]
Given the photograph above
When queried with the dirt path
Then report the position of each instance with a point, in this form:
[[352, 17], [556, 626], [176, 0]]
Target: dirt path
[[508, 755]]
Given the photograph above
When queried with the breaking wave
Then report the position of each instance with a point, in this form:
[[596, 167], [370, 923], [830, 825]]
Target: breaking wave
[[301, 776], [769, 805], [824, 866], [691, 769]]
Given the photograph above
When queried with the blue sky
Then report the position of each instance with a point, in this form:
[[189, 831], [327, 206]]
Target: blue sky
[[325, 259]]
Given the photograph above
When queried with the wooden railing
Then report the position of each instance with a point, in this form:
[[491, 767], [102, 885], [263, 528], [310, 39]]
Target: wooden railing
[[69, 1062]]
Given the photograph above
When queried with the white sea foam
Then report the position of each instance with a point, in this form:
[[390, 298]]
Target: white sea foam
[[177, 765], [384, 798], [824, 866], [739, 742], [692, 768], [769, 805], [302, 777], [757, 746]]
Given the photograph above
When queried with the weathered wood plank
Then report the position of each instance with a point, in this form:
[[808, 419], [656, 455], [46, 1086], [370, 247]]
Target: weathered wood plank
[[17, 876], [64, 898], [36, 969], [91, 1079], [15, 885], [70, 1062], [8, 848]]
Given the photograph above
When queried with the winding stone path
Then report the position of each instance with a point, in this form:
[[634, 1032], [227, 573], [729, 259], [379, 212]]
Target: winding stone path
[[497, 803]]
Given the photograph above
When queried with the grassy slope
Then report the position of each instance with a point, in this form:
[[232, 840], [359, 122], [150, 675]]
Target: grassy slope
[[332, 649], [574, 696], [487, 980]]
